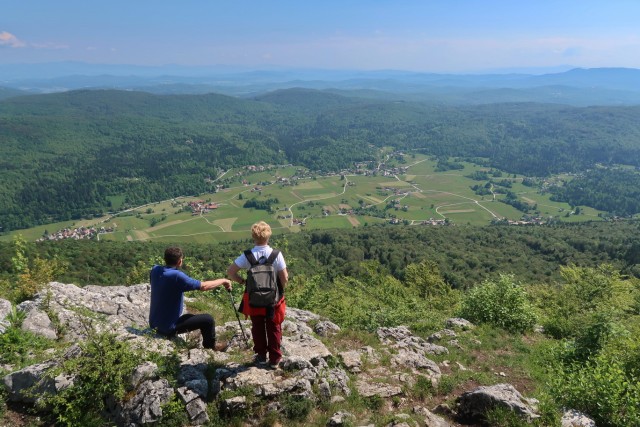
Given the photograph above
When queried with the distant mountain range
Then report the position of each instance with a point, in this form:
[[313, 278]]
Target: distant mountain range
[[579, 87]]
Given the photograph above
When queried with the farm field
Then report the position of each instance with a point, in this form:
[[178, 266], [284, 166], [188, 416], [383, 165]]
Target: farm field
[[290, 199]]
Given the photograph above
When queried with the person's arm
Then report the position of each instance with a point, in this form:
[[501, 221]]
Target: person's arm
[[232, 273], [283, 276], [212, 284]]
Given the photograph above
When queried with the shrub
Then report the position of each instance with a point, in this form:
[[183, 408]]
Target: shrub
[[102, 371], [501, 303], [602, 388], [296, 407], [19, 347]]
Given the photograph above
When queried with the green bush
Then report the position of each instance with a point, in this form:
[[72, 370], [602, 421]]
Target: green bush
[[502, 303], [19, 347], [102, 371], [296, 407], [602, 388]]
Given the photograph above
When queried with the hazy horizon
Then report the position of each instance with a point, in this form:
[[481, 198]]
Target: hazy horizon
[[457, 37]]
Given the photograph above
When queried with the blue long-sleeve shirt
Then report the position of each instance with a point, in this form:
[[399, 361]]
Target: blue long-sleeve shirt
[[168, 285]]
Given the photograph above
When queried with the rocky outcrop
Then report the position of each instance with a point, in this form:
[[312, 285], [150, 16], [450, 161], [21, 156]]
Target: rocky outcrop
[[573, 418], [5, 312], [309, 368], [123, 308], [474, 404]]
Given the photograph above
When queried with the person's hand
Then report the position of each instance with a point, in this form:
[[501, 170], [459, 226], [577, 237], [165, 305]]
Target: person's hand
[[227, 284]]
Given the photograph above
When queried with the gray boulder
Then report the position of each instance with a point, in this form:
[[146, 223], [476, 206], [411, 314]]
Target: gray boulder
[[473, 405], [145, 406], [121, 308], [417, 361], [325, 328], [573, 418], [339, 419], [459, 323], [5, 311], [401, 337], [431, 419]]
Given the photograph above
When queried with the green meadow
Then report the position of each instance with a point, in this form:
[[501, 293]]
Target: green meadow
[[315, 202]]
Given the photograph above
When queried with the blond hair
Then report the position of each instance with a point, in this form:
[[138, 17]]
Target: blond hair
[[260, 232]]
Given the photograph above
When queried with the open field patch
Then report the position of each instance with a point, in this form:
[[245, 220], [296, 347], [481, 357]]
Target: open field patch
[[140, 235], [455, 211], [370, 198], [418, 194], [353, 220], [309, 185], [344, 206], [392, 184], [320, 196], [226, 223], [164, 225]]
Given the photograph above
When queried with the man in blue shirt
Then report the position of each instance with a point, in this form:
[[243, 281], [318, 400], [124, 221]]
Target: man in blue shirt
[[168, 285]]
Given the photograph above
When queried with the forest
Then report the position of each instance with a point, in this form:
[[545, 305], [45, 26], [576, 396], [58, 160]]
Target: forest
[[70, 155], [465, 255]]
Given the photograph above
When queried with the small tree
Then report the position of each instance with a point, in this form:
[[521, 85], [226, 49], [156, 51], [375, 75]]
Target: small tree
[[502, 303]]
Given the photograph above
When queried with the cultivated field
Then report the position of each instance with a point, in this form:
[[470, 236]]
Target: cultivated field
[[319, 202]]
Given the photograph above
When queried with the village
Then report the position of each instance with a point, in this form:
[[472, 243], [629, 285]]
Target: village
[[79, 233]]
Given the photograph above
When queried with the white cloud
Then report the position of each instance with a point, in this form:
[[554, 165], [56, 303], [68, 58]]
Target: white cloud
[[8, 39]]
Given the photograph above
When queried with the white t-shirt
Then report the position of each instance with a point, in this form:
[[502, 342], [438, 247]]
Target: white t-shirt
[[259, 252]]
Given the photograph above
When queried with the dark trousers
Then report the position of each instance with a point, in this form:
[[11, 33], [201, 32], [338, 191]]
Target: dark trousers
[[204, 322], [267, 336]]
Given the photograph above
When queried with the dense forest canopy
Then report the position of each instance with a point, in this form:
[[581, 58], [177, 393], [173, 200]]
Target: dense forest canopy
[[465, 255], [65, 155]]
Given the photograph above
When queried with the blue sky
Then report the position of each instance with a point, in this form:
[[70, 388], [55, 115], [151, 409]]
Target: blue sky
[[417, 35]]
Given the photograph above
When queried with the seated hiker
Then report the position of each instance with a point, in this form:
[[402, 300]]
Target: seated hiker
[[266, 309], [168, 285]]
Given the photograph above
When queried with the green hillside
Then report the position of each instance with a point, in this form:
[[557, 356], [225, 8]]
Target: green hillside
[[69, 155]]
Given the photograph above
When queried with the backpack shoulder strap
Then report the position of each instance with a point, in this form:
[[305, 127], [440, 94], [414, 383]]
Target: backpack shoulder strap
[[272, 257], [252, 259]]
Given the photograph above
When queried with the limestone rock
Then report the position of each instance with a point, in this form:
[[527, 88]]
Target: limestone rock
[[145, 406], [233, 405], [325, 328], [148, 370], [121, 307], [37, 321], [305, 346], [573, 418], [459, 323], [339, 419], [441, 334], [417, 360], [197, 411], [401, 337], [27, 384], [369, 388], [351, 360], [431, 419], [339, 380], [324, 388], [5, 311], [472, 405]]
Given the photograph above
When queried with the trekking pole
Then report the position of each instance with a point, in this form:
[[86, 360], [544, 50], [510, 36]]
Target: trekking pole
[[233, 304]]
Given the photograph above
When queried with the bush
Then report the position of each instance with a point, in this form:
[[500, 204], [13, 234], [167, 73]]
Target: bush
[[102, 371], [601, 388], [502, 303], [296, 407]]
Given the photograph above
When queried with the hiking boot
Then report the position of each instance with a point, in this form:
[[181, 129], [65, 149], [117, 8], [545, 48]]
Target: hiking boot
[[260, 361], [274, 365], [221, 346]]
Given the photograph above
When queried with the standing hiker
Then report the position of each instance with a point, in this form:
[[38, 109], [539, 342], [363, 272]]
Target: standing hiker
[[263, 299], [168, 285]]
